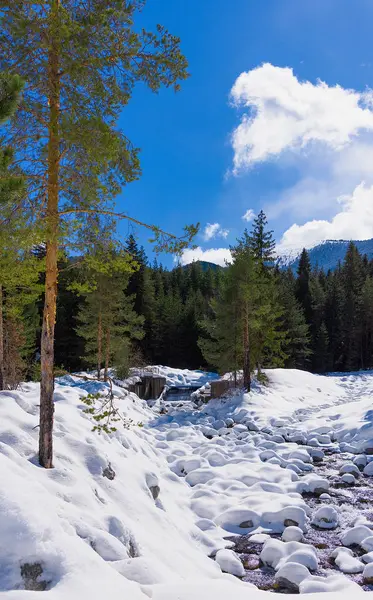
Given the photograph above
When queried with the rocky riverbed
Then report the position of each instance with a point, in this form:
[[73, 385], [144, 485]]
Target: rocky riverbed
[[352, 501]]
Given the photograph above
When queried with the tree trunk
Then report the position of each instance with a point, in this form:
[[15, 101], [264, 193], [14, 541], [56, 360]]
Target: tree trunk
[[99, 346], [52, 221], [107, 355], [246, 352], [2, 382]]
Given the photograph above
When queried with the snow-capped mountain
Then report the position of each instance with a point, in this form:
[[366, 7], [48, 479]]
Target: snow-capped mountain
[[327, 254]]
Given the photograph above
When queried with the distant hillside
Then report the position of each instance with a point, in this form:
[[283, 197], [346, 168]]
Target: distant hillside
[[328, 254], [205, 265]]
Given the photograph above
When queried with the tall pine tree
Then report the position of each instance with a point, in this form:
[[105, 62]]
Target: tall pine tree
[[85, 61]]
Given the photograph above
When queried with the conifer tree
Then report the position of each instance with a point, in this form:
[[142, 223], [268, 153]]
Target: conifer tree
[[18, 267], [85, 60], [261, 242], [297, 344], [353, 279], [302, 288], [319, 335], [221, 341], [367, 323], [333, 318]]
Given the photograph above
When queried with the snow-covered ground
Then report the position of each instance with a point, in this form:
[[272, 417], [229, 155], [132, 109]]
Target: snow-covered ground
[[146, 512]]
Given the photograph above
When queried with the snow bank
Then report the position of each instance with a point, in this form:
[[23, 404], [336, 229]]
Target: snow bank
[[146, 512]]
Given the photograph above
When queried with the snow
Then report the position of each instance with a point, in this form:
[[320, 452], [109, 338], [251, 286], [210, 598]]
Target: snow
[[348, 479], [177, 377], [355, 535], [368, 572], [159, 528], [349, 468], [333, 583], [326, 517], [293, 573], [229, 562], [367, 558], [292, 534], [367, 544], [276, 553], [368, 470], [347, 563]]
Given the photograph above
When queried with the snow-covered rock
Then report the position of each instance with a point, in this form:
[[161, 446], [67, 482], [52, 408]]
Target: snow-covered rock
[[325, 497], [349, 468], [355, 535], [259, 538], [367, 544], [290, 576], [304, 556], [348, 479], [360, 461], [368, 573], [238, 520], [229, 562], [326, 517], [275, 553], [332, 583], [367, 558], [292, 534], [347, 563], [368, 470]]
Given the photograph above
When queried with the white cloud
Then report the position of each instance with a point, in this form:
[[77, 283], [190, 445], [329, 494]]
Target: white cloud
[[288, 114], [214, 230], [249, 215], [218, 256], [353, 221]]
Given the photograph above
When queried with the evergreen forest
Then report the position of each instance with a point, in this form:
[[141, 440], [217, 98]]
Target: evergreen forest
[[115, 309]]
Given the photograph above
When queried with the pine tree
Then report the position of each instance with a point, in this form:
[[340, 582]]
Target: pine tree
[[333, 318], [302, 287], [294, 324], [245, 326], [321, 350], [18, 268], [319, 334], [353, 279], [221, 341], [108, 323], [85, 60], [367, 323], [261, 242]]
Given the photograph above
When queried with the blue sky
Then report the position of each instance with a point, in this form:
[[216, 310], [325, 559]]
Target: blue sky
[[321, 137]]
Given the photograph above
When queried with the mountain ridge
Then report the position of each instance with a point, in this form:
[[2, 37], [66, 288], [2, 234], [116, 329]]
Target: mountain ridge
[[327, 254]]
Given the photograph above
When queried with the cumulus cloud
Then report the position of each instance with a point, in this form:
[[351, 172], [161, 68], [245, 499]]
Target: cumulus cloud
[[249, 215], [218, 256], [285, 113], [214, 230], [353, 221]]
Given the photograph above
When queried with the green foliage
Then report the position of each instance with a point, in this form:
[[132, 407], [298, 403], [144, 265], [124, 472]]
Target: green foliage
[[105, 414], [297, 344], [244, 330], [107, 318], [19, 267], [261, 242], [11, 87], [101, 58]]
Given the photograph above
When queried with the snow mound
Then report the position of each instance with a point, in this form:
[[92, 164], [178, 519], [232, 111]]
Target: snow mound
[[229, 562], [355, 535], [326, 517], [333, 583]]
